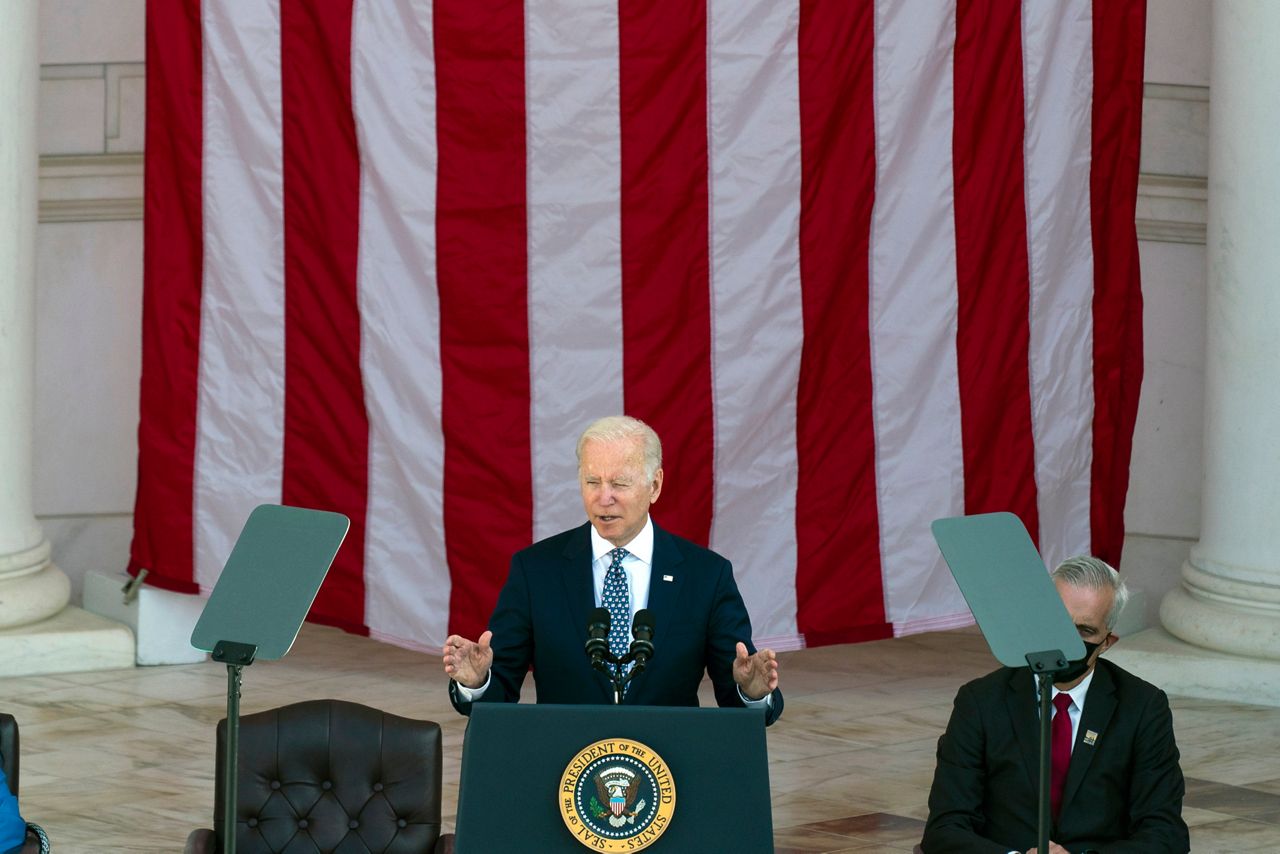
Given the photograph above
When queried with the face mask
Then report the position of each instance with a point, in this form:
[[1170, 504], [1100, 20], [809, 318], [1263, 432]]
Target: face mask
[[1076, 669]]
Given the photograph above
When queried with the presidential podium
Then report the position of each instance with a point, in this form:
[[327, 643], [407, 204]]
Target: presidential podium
[[613, 778]]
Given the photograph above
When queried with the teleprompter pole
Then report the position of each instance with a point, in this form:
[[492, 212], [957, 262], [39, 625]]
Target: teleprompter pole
[[1044, 665], [236, 656]]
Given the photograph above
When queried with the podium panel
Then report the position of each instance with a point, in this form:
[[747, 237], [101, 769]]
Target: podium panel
[[524, 767]]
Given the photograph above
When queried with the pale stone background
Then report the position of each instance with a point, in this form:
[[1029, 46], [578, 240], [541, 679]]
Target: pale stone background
[[89, 289]]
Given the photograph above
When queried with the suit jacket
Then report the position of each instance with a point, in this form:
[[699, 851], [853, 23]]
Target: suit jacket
[[1123, 792], [541, 620]]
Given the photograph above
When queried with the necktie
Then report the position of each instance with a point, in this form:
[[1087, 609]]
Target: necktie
[[616, 597], [1060, 752]]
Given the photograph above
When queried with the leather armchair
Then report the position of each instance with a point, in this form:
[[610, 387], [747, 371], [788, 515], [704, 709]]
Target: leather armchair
[[331, 776], [10, 745]]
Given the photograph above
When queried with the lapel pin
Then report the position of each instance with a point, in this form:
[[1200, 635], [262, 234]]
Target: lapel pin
[[1090, 737], [668, 578]]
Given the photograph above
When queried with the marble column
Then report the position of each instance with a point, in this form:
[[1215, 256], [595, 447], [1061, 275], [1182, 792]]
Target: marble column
[[1229, 598], [31, 587]]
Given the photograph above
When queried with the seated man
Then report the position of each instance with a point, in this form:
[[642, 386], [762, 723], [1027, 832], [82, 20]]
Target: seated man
[[622, 561], [1122, 788]]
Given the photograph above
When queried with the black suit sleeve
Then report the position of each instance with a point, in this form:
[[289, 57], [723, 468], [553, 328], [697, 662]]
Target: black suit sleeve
[[956, 817], [727, 624], [1156, 787], [512, 628]]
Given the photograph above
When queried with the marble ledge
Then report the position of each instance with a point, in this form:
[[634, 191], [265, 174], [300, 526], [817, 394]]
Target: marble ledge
[[1172, 209], [1185, 670], [71, 641], [91, 187]]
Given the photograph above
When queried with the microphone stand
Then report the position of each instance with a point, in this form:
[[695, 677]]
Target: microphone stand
[[611, 665]]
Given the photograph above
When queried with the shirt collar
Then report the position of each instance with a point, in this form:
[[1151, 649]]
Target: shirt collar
[[1078, 693], [641, 547]]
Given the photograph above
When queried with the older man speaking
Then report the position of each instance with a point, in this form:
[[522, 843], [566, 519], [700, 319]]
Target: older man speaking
[[619, 560]]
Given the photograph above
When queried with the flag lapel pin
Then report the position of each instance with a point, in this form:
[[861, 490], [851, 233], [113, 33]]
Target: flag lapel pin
[[668, 578]]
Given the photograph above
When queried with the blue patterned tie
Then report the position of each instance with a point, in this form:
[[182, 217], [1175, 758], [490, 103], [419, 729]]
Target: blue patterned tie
[[616, 597]]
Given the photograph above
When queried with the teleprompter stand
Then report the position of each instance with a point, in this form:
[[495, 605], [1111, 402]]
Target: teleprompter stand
[[258, 605], [1005, 583]]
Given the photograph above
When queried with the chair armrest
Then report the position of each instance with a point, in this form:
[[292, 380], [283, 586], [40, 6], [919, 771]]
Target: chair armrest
[[444, 845], [201, 841]]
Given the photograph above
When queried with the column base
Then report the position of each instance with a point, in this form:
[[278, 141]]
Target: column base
[[162, 621], [69, 642], [1186, 670], [31, 596], [1212, 620]]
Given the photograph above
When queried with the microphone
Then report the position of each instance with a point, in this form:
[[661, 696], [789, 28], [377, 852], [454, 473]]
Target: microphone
[[642, 630], [597, 645]]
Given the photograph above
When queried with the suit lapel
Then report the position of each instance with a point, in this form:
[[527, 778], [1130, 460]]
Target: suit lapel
[[1099, 705], [664, 599], [579, 588], [1021, 702], [664, 595]]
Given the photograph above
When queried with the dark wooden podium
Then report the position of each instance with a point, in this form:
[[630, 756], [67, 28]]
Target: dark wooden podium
[[514, 784]]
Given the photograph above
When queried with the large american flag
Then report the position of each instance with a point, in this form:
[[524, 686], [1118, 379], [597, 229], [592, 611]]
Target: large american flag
[[861, 264]]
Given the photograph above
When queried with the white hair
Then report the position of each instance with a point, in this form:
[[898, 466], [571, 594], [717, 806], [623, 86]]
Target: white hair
[[617, 428], [1092, 573]]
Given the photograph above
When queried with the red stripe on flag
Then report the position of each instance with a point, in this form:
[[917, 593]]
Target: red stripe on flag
[[482, 267], [1118, 32], [839, 588], [326, 430], [993, 282], [666, 298], [173, 248]]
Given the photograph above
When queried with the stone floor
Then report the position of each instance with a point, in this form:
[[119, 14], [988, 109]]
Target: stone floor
[[117, 761]]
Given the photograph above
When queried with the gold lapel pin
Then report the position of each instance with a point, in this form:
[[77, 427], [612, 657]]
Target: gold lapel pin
[[1090, 737]]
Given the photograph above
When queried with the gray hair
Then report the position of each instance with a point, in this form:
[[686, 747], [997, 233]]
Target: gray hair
[[1094, 574], [618, 428]]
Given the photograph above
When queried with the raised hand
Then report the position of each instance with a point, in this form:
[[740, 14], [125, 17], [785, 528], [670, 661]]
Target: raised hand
[[756, 675], [468, 662]]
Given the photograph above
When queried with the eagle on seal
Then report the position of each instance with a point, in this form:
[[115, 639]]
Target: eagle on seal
[[617, 787]]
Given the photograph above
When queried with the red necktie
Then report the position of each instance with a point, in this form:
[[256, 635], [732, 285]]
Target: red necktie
[[1060, 752]]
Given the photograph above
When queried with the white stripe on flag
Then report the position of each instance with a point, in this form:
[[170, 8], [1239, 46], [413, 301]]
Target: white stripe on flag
[[393, 92], [919, 457], [240, 421], [1058, 56], [757, 325], [575, 241]]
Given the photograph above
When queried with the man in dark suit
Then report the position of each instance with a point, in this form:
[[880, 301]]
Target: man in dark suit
[[1122, 789], [620, 560]]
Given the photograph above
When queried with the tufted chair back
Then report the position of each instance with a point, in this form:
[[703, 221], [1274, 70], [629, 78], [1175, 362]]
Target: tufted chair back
[[331, 776], [9, 750]]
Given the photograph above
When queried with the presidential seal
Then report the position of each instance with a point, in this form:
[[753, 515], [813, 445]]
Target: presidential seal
[[617, 795]]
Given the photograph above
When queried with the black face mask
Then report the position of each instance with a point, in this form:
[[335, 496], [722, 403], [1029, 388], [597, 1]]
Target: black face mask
[[1076, 669]]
